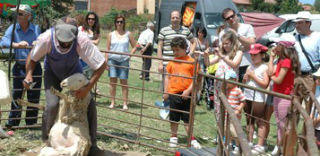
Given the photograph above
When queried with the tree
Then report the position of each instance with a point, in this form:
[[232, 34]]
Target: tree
[[260, 5], [317, 5], [289, 6]]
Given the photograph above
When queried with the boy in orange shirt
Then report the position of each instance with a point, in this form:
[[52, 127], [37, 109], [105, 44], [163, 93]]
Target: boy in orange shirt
[[181, 86]]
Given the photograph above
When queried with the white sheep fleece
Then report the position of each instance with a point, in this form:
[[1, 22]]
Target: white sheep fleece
[[70, 133]]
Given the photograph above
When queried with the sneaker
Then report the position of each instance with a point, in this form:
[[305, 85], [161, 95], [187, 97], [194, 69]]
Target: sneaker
[[236, 151], [173, 142], [275, 151], [195, 144], [257, 149]]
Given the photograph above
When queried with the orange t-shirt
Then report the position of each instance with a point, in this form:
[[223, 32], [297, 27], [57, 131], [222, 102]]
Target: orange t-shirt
[[179, 84]]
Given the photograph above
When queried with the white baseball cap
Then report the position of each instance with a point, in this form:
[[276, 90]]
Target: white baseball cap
[[303, 16], [23, 7]]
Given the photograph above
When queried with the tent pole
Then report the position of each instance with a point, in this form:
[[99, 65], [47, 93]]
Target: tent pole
[[12, 38]]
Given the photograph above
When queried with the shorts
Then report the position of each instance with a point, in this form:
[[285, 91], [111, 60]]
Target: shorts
[[118, 72], [176, 102]]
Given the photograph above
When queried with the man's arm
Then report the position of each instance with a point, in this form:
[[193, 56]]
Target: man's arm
[[82, 92], [6, 40], [145, 48], [159, 54], [247, 41], [30, 66]]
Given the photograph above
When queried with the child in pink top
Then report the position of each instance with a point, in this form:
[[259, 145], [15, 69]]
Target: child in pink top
[[283, 75]]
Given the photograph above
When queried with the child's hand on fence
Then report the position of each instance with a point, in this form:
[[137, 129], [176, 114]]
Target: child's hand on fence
[[165, 97]]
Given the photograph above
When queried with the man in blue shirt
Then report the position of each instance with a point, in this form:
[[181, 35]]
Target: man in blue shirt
[[24, 35]]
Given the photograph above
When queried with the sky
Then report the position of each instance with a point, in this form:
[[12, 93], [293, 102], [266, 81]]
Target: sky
[[307, 1]]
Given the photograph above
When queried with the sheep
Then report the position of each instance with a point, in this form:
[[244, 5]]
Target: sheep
[[70, 133]]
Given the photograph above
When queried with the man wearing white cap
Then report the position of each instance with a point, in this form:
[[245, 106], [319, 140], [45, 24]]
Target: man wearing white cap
[[307, 46], [25, 34], [62, 46]]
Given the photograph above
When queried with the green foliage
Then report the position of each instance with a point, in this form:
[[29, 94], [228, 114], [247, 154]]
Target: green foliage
[[317, 5], [281, 6], [107, 19], [133, 21], [289, 6]]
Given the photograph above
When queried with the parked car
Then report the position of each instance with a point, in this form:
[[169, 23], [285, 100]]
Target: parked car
[[287, 29]]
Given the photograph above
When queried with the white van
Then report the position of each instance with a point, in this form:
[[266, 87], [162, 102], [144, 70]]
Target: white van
[[288, 28]]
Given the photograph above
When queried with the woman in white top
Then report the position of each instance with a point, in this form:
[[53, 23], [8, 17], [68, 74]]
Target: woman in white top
[[256, 76], [118, 65]]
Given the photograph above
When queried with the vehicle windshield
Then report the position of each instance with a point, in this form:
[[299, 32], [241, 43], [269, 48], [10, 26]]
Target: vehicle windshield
[[214, 20]]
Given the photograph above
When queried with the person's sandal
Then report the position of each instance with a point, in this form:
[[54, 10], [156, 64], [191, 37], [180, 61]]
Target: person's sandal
[[111, 106]]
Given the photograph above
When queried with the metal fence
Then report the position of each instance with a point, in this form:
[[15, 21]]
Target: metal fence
[[146, 128]]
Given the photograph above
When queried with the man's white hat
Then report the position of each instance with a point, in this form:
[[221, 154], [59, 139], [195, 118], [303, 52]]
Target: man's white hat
[[303, 16]]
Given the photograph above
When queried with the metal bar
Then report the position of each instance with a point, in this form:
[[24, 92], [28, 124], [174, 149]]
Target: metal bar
[[141, 107], [151, 72], [131, 101], [288, 97], [131, 141], [24, 127], [105, 126], [22, 118], [147, 56], [193, 101], [149, 117], [168, 132], [16, 110], [236, 123]]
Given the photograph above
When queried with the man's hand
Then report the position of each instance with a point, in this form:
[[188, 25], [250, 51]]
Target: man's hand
[[160, 67], [23, 44], [165, 97], [82, 92], [27, 81]]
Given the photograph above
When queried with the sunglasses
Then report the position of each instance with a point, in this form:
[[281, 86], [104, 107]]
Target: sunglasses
[[119, 22], [91, 19], [228, 18]]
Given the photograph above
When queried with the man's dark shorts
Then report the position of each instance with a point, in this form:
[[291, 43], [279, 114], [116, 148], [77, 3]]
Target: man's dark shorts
[[176, 102]]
